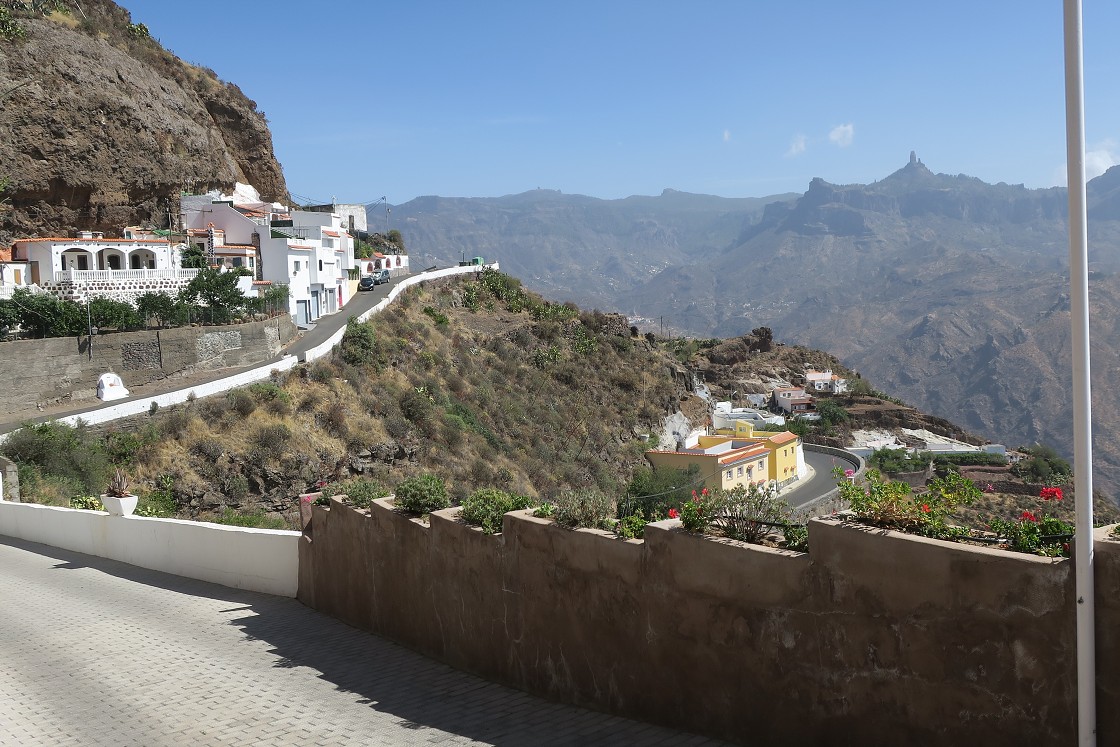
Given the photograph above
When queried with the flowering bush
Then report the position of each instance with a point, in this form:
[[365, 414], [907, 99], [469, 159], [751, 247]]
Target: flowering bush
[[893, 504], [1035, 532], [698, 513]]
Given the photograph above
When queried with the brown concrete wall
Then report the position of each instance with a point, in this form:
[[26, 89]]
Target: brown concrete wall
[[1106, 583], [871, 638], [60, 369]]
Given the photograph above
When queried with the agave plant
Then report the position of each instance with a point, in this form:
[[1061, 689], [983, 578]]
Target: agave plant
[[118, 486]]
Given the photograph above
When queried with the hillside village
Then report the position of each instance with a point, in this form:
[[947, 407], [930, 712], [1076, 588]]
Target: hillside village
[[311, 252]]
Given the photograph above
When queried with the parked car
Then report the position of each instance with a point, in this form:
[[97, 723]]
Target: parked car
[[381, 276], [367, 283]]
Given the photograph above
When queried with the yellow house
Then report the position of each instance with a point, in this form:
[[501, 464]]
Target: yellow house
[[784, 447], [723, 462]]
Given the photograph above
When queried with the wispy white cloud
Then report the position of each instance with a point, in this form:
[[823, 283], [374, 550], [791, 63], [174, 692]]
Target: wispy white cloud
[[1101, 158], [1098, 159], [797, 146], [727, 136], [842, 135]]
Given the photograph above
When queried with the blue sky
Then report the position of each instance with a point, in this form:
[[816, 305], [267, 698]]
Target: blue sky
[[610, 99]]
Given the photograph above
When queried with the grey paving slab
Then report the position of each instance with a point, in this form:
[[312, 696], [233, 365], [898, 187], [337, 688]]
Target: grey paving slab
[[95, 652]]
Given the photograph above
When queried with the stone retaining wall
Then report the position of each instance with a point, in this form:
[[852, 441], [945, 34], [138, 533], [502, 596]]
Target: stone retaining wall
[[873, 637], [62, 369]]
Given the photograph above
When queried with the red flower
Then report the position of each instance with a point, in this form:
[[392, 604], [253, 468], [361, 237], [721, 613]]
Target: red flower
[[1047, 494], [1065, 547], [673, 513], [704, 491], [925, 508], [1028, 516]]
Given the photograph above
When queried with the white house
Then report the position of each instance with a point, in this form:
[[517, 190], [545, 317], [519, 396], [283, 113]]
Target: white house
[[795, 401], [92, 266], [825, 381], [309, 251]]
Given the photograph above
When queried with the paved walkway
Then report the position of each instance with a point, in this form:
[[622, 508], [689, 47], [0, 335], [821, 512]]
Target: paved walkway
[[96, 652]]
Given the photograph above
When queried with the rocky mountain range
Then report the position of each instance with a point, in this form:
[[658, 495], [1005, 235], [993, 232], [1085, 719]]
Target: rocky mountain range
[[100, 127], [942, 290]]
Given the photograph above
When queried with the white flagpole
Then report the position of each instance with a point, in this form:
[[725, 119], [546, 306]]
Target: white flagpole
[[1082, 405]]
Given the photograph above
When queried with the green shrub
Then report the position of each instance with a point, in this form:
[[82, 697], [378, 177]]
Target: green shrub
[[266, 391], [749, 514], [160, 502], [360, 491], [632, 526], [87, 502], [485, 508], [422, 494], [437, 316], [584, 507], [122, 446], [359, 343], [796, 537], [63, 451]]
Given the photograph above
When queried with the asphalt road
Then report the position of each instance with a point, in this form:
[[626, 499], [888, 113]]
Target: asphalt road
[[821, 481]]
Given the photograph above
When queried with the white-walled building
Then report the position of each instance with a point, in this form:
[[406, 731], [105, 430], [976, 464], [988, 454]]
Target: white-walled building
[[311, 252], [92, 266], [724, 416]]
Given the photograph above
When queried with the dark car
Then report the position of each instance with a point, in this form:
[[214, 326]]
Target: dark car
[[367, 283], [381, 276]]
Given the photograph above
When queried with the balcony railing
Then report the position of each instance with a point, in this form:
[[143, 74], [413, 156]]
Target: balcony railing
[[80, 277]]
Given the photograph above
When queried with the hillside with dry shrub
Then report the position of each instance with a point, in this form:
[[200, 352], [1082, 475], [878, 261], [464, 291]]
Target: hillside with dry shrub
[[476, 380]]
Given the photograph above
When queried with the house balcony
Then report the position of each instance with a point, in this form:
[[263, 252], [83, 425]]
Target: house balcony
[[83, 277]]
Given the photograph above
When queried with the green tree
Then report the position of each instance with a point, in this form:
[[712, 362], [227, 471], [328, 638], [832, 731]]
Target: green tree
[[831, 413], [763, 338], [43, 315], [163, 308], [217, 292], [104, 312], [655, 491], [394, 237], [194, 257]]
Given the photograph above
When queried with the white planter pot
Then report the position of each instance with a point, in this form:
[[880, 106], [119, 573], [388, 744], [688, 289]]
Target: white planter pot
[[119, 506]]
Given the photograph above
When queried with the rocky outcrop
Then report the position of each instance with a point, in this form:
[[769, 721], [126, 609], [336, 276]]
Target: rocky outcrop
[[102, 128]]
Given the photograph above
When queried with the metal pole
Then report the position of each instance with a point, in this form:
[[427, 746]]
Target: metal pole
[[89, 324], [1082, 404]]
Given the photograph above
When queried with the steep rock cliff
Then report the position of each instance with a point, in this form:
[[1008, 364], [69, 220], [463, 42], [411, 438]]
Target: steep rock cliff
[[100, 127]]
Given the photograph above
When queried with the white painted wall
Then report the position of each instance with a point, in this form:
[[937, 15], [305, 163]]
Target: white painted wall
[[265, 560]]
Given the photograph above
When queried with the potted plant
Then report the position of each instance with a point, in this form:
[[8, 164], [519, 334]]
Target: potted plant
[[116, 499]]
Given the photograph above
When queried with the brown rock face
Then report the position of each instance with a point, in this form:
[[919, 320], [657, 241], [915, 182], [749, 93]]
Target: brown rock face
[[101, 128]]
